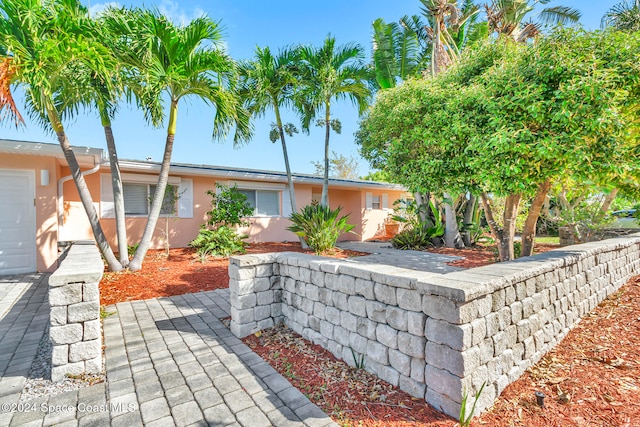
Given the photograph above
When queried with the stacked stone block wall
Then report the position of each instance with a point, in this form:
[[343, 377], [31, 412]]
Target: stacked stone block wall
[[74, 300], [436, 336]]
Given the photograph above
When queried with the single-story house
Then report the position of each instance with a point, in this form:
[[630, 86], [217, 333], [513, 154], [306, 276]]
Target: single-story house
[[40, 207]]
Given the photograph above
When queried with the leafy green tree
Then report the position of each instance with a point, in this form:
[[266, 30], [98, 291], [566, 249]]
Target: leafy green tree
[[623, 16], [331, 73], [510, 119], [173, 62], [46, 44]]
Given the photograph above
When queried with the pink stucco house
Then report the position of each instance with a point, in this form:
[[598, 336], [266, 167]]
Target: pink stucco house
[[40, 207]]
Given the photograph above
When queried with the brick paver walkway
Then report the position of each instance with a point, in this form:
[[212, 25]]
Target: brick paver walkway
[[169, 361]]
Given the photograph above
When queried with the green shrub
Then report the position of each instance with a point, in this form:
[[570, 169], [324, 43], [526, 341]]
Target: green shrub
[[319, 226], [218, 236], [416, 238], [222, 241]]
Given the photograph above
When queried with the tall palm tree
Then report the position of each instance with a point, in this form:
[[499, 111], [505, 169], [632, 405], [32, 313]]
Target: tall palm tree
[[267, 83], [623, 16], [175, 62], [329, 73], [47, 43], [508, 17]]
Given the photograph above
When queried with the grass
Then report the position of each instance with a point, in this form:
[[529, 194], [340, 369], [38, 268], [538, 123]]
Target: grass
[[548, 240]]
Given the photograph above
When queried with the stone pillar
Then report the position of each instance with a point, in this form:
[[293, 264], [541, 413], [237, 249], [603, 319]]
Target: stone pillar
[[74, 299]]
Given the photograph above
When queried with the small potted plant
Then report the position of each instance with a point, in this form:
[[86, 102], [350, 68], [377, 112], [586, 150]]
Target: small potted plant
[[391, 226]]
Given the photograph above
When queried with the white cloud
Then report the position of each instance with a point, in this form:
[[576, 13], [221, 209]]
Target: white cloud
[[98, 8], [172, 10]]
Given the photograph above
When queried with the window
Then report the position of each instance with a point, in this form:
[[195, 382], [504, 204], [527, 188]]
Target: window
[[264, 202], [375, 202], [138, 199]]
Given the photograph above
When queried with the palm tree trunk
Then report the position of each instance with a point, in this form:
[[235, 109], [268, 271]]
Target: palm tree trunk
[[292, 193], [83, 192], [118, 196], [324, 200], [158, 196], [529, 230]]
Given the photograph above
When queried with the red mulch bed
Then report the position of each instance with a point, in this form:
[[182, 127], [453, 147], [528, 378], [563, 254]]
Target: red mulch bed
[[182, 272], [591, 379], [351, 396], [479, 255]]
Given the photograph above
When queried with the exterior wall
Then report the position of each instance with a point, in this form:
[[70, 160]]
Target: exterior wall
[[182, 230], [46, 209], [438, 337], [373, 219]]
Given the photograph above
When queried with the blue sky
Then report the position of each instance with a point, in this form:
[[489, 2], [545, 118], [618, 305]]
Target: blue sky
[[248, 24]]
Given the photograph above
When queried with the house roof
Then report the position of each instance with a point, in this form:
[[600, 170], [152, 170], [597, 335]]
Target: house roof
[[87, 156], [252, 174], [92, 156]]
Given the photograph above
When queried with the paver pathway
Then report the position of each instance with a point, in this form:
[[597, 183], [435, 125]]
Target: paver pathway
[[169, 361], [383, 253]]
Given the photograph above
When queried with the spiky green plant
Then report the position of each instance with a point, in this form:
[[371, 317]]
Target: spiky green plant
[[319, 226]]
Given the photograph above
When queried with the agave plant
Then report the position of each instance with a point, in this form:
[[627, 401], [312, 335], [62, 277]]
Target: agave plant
[[319, 226]]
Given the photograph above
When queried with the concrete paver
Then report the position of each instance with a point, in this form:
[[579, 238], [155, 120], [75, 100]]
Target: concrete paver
[[383, 253], [169, 361]]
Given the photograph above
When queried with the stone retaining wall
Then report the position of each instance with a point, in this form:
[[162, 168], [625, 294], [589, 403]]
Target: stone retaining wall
[[436, 336], [74, 299]]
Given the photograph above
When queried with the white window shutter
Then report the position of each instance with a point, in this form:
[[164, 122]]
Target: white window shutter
[[185, 198], [369, 200], [107, 207], [286, 203], [385, 201]]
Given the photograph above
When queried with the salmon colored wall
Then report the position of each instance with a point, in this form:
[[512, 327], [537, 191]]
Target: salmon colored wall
[[183, 230], [373, 219], [351, 204], [46, 218]]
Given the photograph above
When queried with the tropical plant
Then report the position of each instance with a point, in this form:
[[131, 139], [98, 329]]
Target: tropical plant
[[319, 226], [268, 82], [422, 224], [507, 17], [220, 241], [218, 236], [173, 62], [46, 45], [331, 73], [229, 207], [396, 53], [623, 16]]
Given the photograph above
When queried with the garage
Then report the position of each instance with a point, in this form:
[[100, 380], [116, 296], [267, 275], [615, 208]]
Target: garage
[[17, 222]]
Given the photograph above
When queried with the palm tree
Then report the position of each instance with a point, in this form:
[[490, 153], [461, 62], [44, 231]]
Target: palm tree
[[175, 62], [623, 16], [267, 83], [329, 73], [47, 43], [396, 53], [508, 17]]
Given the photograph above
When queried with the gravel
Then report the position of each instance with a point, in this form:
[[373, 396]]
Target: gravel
[[39, 380]]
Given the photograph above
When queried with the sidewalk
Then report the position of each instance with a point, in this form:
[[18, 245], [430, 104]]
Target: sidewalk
[[169, 361]]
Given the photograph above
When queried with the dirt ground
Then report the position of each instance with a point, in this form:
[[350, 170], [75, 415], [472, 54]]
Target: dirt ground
[[592, 378]]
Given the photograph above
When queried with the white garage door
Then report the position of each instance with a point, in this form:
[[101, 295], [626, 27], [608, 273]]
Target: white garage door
[[17, 222]]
